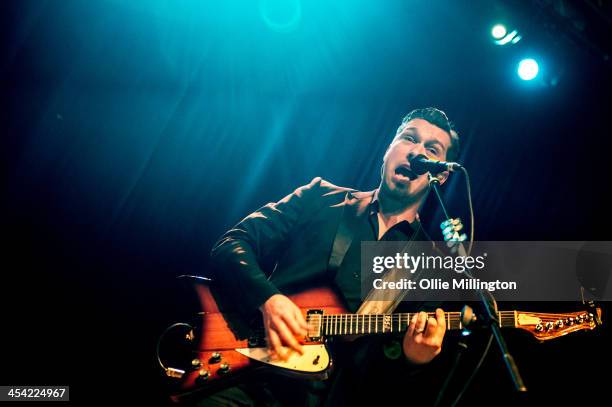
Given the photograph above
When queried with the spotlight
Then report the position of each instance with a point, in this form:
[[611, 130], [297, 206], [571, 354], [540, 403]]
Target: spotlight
[[528, 69], [503, 36], [499, 31]]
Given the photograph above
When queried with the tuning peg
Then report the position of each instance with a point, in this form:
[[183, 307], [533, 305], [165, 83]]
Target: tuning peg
[[559, 323], [448, 230]]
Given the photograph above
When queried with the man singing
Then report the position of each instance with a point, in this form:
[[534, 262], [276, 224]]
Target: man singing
[[312, 237]]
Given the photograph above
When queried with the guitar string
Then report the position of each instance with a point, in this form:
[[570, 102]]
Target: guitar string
[[361, 320], [503, 314]]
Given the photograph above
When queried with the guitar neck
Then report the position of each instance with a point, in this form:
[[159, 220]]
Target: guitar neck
[[360, 324]]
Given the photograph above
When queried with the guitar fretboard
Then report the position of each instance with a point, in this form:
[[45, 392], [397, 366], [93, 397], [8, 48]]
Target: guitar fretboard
[[360, 324]]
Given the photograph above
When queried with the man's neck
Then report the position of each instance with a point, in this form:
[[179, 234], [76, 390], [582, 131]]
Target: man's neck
[[392, 211]]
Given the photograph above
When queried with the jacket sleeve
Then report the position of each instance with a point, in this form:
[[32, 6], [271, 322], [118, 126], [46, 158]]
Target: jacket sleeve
[[238, 256]]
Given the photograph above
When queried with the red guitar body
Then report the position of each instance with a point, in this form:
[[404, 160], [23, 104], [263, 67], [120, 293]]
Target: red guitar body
[[216, 336]]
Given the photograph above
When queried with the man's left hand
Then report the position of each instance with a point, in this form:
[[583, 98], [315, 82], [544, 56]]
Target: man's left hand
[[423, 340]]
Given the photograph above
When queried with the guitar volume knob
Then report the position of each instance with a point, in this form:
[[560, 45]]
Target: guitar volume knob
[[224, 368], [195, 363], [203, 374], [539, 327], [215, 357]]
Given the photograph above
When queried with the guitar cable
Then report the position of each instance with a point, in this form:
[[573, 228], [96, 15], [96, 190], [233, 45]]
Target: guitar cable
[[170, 371]]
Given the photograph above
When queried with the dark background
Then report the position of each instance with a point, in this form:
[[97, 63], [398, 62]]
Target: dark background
[[135, 133]]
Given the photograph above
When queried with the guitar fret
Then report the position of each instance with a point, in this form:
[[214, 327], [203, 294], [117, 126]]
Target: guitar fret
[[515, 319], [352, 324]]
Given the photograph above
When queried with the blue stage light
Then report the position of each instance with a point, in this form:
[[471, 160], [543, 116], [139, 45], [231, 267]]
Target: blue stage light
[[499, 31], [528, 69]]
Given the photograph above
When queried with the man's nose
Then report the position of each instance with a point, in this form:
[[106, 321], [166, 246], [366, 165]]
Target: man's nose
[[416, 150]]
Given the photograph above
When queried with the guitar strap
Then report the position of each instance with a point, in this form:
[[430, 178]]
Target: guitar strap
[[386, 301], [377, 301]]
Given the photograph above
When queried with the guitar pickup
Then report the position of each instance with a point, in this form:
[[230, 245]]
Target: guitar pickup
[[314, 319]]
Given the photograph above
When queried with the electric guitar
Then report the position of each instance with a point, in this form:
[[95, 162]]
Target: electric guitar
[[221, 350]]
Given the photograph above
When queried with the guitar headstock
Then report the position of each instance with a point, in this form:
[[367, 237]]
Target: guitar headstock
[[545, 326]]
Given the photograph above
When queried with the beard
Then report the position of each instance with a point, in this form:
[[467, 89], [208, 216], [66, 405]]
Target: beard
[[402, 193]]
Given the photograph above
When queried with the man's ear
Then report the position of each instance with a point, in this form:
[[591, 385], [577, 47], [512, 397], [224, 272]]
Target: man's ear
[[442, 177], [382, 166]]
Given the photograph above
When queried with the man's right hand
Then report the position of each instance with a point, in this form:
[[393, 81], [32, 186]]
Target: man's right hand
[[283, 322]]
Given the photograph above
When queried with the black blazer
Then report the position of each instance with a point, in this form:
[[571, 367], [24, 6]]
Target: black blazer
[[302, 240], [298, 241]]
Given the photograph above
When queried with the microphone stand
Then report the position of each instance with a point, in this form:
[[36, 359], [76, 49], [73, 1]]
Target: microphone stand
[[491, 314]]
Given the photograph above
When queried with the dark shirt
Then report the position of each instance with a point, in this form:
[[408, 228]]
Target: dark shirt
[[348, 278]]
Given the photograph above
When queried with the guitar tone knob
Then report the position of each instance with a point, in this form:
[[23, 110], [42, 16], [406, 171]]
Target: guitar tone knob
[[195, 363], [224, 368], [215, 357], [559, 324], [203, 374], [579, 319], [570, 321], [539, 328], [549, 326], [590, 317]]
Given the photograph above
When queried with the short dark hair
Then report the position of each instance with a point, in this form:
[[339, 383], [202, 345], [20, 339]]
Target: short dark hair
[[439, 119]]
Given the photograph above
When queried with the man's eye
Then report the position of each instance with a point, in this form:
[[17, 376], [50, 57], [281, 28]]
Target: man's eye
[[433, 151], [410, 138]]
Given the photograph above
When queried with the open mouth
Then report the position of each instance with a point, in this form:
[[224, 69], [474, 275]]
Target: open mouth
[[404, 173]]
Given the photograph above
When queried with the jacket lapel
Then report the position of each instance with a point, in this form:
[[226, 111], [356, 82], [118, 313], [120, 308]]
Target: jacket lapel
[[355, 206]]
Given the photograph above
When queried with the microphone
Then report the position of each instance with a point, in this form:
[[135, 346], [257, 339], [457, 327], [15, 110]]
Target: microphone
[[421, 164]]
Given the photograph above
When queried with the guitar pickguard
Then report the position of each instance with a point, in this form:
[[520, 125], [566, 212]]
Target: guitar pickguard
[[314, 360]]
